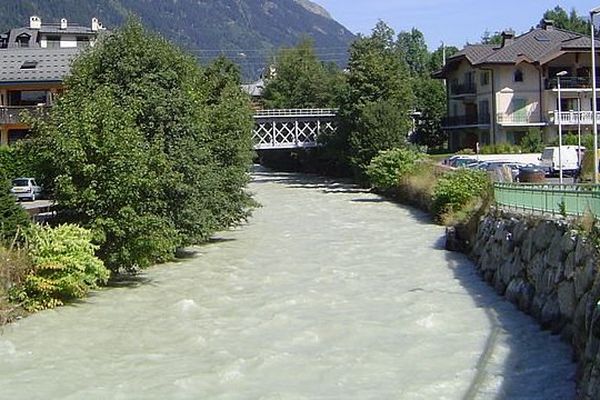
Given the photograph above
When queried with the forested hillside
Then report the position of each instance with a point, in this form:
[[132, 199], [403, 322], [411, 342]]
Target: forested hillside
[[247, 31]]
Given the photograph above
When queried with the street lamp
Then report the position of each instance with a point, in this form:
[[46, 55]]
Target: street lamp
[[593, 12], [560, 164]]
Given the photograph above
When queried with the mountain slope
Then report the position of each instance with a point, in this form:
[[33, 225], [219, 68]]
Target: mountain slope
[[245, 30]]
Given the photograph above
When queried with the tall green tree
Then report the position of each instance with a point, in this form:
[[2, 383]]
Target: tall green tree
[[375, 110], [430, 104], [412, 45], [301, 80], [567, 20], [146, 148]]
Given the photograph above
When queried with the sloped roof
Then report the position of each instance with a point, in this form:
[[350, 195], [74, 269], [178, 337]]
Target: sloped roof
[[254, 89], [539, 46], [533, 45], [475, 52], [49, 65]]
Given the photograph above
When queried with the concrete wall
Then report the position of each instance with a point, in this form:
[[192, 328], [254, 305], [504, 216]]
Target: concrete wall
[[550, 271]]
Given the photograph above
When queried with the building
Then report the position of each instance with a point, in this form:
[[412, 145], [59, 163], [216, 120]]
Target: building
[[496, 93], [33, 64]]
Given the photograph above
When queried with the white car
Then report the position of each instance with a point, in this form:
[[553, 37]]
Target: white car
[[26, 188]]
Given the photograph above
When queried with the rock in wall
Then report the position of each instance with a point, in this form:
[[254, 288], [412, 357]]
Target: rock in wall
[[549, 270]]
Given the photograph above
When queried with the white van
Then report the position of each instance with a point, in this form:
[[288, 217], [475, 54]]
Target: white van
[[570, 159]]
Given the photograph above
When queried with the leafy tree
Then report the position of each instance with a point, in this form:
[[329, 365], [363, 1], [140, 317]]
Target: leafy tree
[[436, 60], [568, 21], [412, 45], [491, 38], [387, 168], [430, 101], [301, 80], [146, 149], [375, 109]]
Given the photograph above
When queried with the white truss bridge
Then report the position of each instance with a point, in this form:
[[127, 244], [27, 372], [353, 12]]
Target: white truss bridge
[[292, 128]]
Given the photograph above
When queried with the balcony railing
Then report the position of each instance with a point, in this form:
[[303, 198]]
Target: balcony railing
[[574, 117], [518, 119], [14, 115], [464, 88], [570, 82], [466, 120]]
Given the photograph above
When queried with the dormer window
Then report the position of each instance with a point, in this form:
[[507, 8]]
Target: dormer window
[[23, 40], [518, 76]]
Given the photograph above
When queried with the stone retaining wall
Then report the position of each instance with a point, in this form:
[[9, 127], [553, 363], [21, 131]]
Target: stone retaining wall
[[548, 270]]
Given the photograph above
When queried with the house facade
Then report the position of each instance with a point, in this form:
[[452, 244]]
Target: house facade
[[496, 93], [33, 64]]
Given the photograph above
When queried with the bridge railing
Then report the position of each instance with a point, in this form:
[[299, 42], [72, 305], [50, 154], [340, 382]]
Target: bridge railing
[[297, 112], [574, 200]]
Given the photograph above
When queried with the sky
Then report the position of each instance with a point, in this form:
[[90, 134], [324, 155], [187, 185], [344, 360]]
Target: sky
[[454, 22]]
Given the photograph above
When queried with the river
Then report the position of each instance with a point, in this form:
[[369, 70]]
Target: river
[[328, 292]]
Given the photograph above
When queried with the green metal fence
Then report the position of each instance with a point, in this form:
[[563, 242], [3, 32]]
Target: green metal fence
[[549, 198]]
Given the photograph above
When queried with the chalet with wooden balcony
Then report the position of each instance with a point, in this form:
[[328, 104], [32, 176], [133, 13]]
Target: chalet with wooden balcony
[[497, 92], [34, 62]]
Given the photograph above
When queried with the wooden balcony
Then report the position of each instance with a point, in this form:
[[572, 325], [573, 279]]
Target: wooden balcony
[[13, 115]]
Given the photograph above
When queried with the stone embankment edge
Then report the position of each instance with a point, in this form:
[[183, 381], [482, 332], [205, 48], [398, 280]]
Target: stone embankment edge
[[548, 268]]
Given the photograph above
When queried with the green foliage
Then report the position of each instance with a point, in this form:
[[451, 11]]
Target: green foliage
[[436, 61], [413, 48], [456, 189], [374, 114], [466, 151], [146, 149], [64, 267], [568, 21], [13, 218], [571, 139], [500, 148], [491, 38], [430, 101], [302, 81], [387, 169], [532, 142]]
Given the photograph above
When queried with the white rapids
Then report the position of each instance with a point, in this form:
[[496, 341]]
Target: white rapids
[[328, 292]]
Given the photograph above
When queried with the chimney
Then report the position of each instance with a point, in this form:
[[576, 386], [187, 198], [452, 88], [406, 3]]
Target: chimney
[[63, 23], [548, 24], [507, 37], [35, 22], [95, 25]]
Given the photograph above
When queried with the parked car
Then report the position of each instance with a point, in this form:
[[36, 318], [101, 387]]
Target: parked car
[[26, 189]]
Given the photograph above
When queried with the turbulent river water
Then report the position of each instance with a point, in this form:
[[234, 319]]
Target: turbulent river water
[[328, 292]]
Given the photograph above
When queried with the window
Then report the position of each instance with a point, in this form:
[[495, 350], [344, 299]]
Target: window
[[568, 104], [53, 42], [27, 98], [518, 76], [23, 40], [484, 78]]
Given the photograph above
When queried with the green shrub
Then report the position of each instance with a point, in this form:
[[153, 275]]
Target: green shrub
[[500, 148], [387, 168], [570, 139], [466, 151], [456, 189], [13, 218], [532, 142], [65, 267]]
